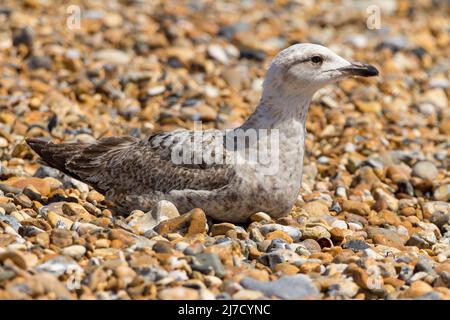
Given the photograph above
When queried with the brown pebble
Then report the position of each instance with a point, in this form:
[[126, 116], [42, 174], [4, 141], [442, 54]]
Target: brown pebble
[[356, 207], [417, 289], [309, 267], [194, 221], [61, 237], [41, 185], [279, 234], [286, 269], [221, 228]]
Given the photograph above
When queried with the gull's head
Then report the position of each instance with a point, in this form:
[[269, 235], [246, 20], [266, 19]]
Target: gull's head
[[306, 67]]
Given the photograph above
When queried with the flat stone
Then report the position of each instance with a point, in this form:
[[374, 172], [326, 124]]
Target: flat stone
[[162, 211], [61, 237], [339, 224], [288, 287], [417, 289], [178, 293], [369, 106], [41, 185], [23, 200], [7, 207], [191, 223], [221, 228], [271, 259], [198, 222], [74, 251], [23, 260], [38, 62], [387, 198], [260, 216], [385, 237], [339, 235], [162, 247], [235, 78], [355, 245], [316, 208], [366, 281], [6, 274], [356, 207], [125, 237], [247, 295], [211, 260], [279, 234], [218, 53], [390, 218], [286, 269], [425, 170], [311, 245], [5, 188], [59, 221], [423, 240], [11, 220], [51, 284], [76, 210], [293, 232], [31, 192], [432, 207], [315, 233], [112, 56], [3, 142], [442, 193], [438, 218], [59, 266]]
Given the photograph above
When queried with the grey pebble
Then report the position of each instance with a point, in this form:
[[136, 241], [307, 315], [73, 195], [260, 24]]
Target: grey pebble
[[425, 170], [210, 260], [356, 245], [289, 287], [13, 222], [59, 266]]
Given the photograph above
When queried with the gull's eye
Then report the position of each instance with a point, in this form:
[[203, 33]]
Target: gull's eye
[[317, 59]]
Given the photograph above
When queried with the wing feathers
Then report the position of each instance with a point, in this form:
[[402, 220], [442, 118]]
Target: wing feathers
[[128, 166]]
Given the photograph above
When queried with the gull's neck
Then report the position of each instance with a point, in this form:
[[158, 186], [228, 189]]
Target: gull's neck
[[279, 111]]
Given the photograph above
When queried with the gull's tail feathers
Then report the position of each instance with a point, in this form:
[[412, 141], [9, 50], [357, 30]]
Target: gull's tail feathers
[[82, 161]]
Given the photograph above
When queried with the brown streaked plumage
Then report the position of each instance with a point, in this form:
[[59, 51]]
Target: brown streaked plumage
[[126, 167]]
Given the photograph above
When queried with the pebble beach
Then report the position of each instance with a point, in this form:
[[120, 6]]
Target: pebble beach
[[372, 220]]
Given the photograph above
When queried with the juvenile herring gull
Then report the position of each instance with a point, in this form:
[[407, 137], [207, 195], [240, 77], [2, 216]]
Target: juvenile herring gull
[[136, 174]]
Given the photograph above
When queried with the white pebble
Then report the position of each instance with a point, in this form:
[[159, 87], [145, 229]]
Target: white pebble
[[75, 251], [3, 142], [218, 53], [355, 226], [156, 90], [339, 224], [349, 147]]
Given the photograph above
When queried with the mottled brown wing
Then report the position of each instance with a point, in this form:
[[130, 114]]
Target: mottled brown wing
[[168, 144], [129, 165]]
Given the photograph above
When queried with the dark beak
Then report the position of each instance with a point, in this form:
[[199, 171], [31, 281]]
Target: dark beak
[[360, 69]]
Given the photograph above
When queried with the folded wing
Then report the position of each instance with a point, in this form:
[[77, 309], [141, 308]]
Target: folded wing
[[129, 165]]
